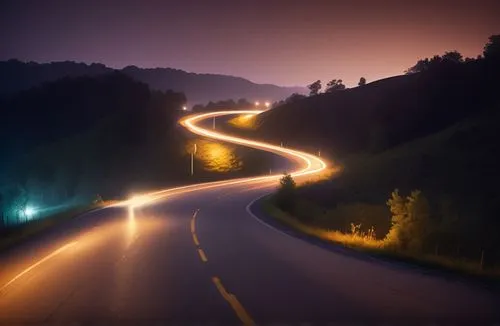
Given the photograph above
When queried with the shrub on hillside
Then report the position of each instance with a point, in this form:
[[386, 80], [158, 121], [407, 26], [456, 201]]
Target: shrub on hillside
[[286, 195], [411, 223]]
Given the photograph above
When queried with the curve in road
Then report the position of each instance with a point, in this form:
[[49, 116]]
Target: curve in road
[[192, 255]]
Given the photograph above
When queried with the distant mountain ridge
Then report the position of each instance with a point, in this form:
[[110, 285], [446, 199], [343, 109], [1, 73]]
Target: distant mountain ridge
[[199, 88]]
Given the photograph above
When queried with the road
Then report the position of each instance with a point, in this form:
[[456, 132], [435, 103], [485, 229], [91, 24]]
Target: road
[[200, 254]]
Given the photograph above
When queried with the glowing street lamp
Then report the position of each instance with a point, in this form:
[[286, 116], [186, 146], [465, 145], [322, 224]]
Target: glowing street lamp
[[267, 104], [257, 103], [192, 159], [29, 212], [184, 108]]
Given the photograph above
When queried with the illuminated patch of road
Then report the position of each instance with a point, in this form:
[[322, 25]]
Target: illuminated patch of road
[[38, 263], [310, 164], [233, 301]]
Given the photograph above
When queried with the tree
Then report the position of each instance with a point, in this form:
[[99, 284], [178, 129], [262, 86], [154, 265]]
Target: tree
[[397, 235], [198, 108], [411, 223], [453, 56], [435, 62], [314, 88], [492, 48], [421, 65], [294, 98], [335, 85], [418, 211], [243, 103], [362, 81], [285, 197]]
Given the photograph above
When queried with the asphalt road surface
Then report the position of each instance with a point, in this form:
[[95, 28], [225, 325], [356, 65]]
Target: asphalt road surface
[[202, 257]]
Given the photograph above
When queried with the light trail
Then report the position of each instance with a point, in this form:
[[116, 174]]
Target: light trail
[[310, 164], [38, 263]]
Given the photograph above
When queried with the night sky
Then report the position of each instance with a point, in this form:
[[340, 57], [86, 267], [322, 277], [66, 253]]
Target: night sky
[[270, 41]]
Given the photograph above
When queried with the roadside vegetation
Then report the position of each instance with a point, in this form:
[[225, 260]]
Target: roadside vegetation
[[419, 161], [65, 143], [426, 201], [14, 235]]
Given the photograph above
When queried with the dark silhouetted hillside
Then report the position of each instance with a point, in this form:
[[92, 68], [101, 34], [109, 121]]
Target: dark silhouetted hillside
[[433, 134], [384, 113], [79, 136], [199, 88]]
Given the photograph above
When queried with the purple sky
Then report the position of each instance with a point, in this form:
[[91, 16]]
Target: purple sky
[[291, 42]]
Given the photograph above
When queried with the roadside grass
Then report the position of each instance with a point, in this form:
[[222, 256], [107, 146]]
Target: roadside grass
[[244, 121], [12, 236], [380, 248]]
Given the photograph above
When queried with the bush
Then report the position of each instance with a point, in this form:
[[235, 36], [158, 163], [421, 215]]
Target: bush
[[286, 195], [411, 223]]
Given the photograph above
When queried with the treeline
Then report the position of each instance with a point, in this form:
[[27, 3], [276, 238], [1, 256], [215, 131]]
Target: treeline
[[82, 138], [223, 105], [199, 88]]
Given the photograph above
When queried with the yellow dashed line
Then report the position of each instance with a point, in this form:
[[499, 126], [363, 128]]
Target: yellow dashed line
[[233, 301], [202, 255], [192, 225], [195, 239], [193, 221]]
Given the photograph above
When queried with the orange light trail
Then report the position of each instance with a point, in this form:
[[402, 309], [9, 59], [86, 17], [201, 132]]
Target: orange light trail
[[310, 164]]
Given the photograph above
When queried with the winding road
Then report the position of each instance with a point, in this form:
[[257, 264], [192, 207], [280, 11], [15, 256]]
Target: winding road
[[201, 254]]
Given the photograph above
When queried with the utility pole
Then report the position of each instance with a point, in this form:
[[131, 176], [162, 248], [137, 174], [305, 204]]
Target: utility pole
[[213, 124], [192, 159]]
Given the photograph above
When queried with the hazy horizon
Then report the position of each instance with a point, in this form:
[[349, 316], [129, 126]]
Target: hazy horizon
[[270, 42]]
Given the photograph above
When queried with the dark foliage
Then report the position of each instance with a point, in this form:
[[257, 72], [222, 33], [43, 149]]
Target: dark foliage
[[200, 88], [72, 139], [241, 104], [286, 194], [385, 113]]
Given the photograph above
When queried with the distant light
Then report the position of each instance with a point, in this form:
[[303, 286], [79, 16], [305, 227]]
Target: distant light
[[184, 108], [267, 104], [257, 103], [29, 211]]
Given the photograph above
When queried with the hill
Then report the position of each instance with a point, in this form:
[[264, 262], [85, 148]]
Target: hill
[[419, 157], [199, 88], [384, 113]]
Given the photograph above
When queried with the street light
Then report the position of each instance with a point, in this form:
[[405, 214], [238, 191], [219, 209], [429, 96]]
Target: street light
[[184, 108], [267, 104], [29, 212], [192, 159], [257, 103]]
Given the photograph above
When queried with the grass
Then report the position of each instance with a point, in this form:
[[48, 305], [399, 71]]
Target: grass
[[380, 248], [15, 235], [245, 121]]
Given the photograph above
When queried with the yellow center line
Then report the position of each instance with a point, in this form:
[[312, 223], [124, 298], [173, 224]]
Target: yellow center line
[[192, 226], [233, 301], [195, 239], [193, 221], [38, 263], [202, 255]]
